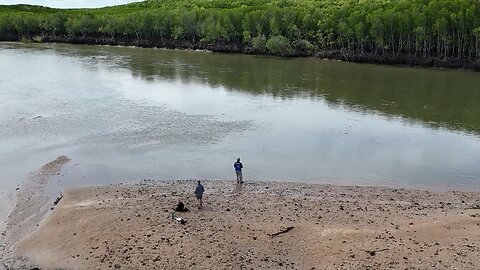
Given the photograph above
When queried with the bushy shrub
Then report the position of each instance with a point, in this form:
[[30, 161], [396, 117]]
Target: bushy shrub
[[259, 43], [37, 39], [279, 45], [246, 37], [25, 40], [304, 47]]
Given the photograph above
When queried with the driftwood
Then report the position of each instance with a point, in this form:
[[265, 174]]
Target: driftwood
[[58, 199], [280, 232], [373, 252]]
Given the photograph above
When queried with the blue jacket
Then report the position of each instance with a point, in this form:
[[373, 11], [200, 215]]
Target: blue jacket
[[199, 190], [238, 166]]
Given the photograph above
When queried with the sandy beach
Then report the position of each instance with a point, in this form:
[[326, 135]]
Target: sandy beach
[[260, 225]]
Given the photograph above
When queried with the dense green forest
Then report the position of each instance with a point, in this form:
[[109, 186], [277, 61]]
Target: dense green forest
[[443, 29]]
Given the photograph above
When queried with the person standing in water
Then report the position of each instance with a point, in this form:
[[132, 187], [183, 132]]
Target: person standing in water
[[199, 194], [238, 171]]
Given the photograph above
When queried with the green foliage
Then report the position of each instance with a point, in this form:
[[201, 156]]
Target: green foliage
[[259, 44], [279, 45], [6, 26], [304, 46], [25, 40], [55, 23], [247, 37], [84, 25], [37, 39], [439, 28]]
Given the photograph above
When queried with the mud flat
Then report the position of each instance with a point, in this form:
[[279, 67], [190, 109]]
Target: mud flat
[[261, 225]]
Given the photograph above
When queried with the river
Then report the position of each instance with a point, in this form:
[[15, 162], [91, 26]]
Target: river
[[127, 114]]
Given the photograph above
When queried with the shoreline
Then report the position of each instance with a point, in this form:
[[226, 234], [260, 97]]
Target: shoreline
[[29, 206], [238, 48], [7, 203], [125, 226]]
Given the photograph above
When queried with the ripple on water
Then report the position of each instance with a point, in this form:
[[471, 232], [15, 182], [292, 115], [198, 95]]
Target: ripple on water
[[122, 123]]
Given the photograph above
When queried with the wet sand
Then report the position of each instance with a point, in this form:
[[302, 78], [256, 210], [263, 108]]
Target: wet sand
[[6, 204], [261, 225]]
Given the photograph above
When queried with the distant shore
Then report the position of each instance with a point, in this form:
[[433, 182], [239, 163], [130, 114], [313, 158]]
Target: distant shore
[[341, 55], [260, 225]]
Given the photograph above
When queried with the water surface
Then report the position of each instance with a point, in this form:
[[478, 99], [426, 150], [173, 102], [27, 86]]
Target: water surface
[[126, 114]]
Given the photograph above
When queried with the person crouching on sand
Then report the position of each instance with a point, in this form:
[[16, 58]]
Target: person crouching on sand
[[199, 194]]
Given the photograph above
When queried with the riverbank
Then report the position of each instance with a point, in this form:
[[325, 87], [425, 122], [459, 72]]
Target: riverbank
[[341, 55], [261, 225], [447, 30]]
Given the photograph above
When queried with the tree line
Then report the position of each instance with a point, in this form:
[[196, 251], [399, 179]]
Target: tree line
[[419, 28]]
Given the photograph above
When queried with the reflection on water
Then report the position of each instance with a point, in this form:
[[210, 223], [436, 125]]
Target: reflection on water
[[124, 114], [438, 98]]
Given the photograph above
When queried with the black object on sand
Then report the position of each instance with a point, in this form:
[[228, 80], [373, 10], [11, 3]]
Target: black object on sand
[[181, 207]]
